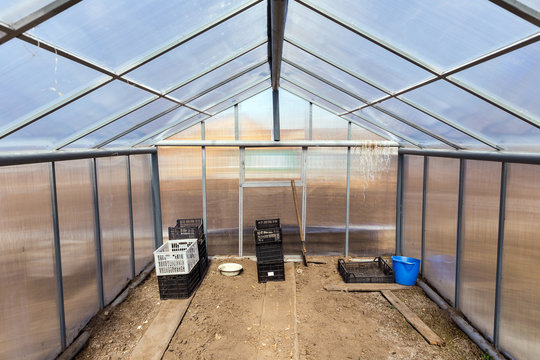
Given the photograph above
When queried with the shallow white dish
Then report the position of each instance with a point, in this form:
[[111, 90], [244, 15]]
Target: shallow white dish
[[230, 269]]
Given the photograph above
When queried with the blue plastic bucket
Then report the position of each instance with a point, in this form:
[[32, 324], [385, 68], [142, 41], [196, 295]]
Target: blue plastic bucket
[[405, 269]]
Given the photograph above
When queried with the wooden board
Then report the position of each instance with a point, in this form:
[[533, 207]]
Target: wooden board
[[366, 287], [413, 319], [157, 337], [278, 319]]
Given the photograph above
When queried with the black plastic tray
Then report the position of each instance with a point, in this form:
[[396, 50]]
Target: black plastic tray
[[376, 271]]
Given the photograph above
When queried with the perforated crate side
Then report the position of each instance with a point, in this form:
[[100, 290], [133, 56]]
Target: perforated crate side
[[268, 235], [267, 224], [194, 232], [269, 252], [176, 257], [271, 271]]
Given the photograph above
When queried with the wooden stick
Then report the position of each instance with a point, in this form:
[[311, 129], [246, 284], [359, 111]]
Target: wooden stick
[[299, 224], [366, 287], [413, 319]]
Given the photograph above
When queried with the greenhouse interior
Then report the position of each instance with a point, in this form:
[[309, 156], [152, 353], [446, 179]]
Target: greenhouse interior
[[367, 128]]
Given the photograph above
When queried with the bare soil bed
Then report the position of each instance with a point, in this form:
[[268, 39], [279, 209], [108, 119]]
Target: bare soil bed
[[223, 321]]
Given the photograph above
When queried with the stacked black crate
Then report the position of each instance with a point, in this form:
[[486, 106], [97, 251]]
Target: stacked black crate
[[269, 250], [193, 229]]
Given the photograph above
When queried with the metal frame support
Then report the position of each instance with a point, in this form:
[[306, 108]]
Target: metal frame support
[[304, 188], [156, 200], [499, 156], [236, 123], [399, 203], [203, 158], [131, 232], [459, 234], [57, 256], [310, 122], [424, 198], [275, 114], [500, 249], [97, 230], [348, 204], [242, 179], [278, 16]]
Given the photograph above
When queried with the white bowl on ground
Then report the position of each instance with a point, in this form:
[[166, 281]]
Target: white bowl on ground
[[230, 269]]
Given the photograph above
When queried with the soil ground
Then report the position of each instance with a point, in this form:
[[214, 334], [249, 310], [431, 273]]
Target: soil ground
[[223, 321]]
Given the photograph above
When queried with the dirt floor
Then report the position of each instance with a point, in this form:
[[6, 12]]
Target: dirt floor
[[224, 318]]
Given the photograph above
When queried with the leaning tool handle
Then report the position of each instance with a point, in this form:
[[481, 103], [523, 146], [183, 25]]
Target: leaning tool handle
[[299, 224]]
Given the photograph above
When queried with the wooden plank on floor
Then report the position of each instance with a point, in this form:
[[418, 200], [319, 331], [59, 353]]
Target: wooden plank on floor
[[413, 319], [278, 337], [157, 337], [366, 287]]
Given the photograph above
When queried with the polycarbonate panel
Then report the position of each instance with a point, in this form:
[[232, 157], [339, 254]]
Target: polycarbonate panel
[[271, 203], [533, 4], [392, 123], [326, 200], [13, 10], [293, 117], [191, 125], [191, 133], [222, 177], [447, 132], [29, 327], [124, 123], [180, 178], [111, 37], [114, 221], [369, 126], [331, 73], [206, 50], [327, 126], [220, 126], [239, 97], [143, 210], [232, 87], [33, 79], [359, 133], [268, 164], [309, 96], [518, 71], [319, 87], [520, 315], [444, 34], [467, 110], [75, 196], [372, 219], [441, 225], [411, 229], [107, 101], [480, 230], [322, 36], [255, 117], [167, 120]]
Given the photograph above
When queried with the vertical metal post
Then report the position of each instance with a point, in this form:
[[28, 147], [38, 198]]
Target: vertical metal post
[[57, 256], [97, 230], [500, 248], [310, 125], [236, 123], [304, 189], [424, 197], [348, 205], [203, 156], [399, 202], [130, 206], [241, 166], [156, 200], [459, 232], [275, 112]]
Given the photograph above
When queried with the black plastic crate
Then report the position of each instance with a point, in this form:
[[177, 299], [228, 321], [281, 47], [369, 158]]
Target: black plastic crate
[[376, 271], [267, 224], [268, 236], [189, 222], [269, 252], [179, 286], [271, 271], [177, 233], [203, 258]]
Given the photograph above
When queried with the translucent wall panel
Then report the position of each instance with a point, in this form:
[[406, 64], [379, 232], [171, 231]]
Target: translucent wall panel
[[255, 117], [359, 133], [180, 176], [520, 313], [327, 126], [13, 10], [413, 182], [78, 243], [222, 200], [441, 224], [293, 117], [372, 224], [191, 133], [326, 200], [220, 126], [479, 242], [267, 164], [114, 221], [143, 210], [29, 327]]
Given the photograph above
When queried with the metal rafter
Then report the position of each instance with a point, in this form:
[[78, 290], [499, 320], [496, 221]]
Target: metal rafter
[[119, 74], [467, 132], [108, 121], [278, 16], [520, 9]]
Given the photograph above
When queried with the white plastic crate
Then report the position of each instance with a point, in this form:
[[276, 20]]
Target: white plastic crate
[[176, 257]]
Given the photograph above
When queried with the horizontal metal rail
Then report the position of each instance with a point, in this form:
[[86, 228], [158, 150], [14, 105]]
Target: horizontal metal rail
[[283, 143], [516, 157]]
